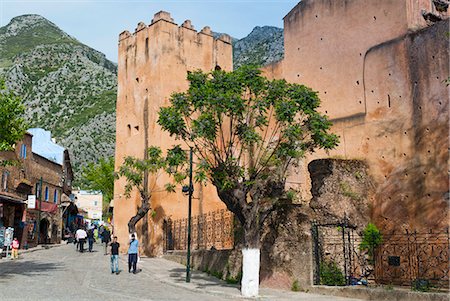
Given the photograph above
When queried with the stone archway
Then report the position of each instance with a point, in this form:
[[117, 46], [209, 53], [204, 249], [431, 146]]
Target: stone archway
[[44, 225]]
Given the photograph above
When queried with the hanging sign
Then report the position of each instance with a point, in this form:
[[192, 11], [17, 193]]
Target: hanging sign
[[31, 201]]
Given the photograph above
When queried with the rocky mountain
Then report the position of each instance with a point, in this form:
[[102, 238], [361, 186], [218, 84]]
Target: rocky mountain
[[262, 46], [70, 88], [67, 87]]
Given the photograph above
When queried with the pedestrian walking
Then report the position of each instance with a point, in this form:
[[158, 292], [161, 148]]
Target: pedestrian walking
[[101, 229], [81, 237], [106, 238], [90, 237], [95, 233], [115, 256], [15, 249], [133, 254]]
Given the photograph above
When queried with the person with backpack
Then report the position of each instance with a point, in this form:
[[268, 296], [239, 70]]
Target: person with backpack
[[90, 237], [106, 238]]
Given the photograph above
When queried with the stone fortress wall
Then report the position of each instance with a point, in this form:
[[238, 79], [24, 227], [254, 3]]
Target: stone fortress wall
[[379, 68], [153, 63]]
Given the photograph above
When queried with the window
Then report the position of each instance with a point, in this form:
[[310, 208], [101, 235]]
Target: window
[[5, 181], [46, 194], [95, 203], [23, 151], [55, 196], [38, 191]]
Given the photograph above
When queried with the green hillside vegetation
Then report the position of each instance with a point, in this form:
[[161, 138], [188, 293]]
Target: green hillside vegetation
[[67, 87]]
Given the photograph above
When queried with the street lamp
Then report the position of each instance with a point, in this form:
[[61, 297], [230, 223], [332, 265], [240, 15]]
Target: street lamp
[[189, 189]]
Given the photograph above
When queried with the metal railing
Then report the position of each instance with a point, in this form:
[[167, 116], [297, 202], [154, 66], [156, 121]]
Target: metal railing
[[403, 258], [212, 230]]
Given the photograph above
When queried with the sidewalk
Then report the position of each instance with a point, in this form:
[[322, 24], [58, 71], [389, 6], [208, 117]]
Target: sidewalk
[[172, 273], [30, 250]]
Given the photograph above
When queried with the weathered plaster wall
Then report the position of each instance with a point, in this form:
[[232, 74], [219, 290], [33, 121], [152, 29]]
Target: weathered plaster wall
[[153, 63], [381, 83]]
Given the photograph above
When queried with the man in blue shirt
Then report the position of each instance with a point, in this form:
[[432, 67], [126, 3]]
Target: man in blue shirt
[[133, 253]]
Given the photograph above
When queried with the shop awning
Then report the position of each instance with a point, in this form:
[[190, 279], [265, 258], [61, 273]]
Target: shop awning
[[11, 199], [47, 207]]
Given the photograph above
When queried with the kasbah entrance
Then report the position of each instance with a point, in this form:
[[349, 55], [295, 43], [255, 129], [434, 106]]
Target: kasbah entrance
[[379, 67]]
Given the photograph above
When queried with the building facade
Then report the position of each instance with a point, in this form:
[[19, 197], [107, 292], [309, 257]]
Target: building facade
[[33, 174], [90, 202]]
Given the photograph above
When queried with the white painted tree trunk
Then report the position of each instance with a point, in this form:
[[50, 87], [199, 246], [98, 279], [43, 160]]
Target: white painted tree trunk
[[250, 272]]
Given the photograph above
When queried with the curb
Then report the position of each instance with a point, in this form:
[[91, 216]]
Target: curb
[[43, 247]]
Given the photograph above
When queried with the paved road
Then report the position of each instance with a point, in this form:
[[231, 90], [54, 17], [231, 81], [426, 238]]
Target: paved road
[[61, 273]]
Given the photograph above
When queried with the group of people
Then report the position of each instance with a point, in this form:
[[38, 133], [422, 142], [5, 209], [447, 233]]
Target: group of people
[[81, 235], [133, 249]]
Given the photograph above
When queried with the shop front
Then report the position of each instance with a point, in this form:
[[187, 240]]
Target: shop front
[[13, 214]]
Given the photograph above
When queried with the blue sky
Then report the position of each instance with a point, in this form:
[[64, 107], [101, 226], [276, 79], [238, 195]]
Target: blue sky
[[98, 23]]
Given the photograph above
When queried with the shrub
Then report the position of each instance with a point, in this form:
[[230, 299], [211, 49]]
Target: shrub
[[372, 238], [295, 286], [331, 274]]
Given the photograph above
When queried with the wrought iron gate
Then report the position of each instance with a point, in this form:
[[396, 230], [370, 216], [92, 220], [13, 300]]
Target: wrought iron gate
[[337, 244]]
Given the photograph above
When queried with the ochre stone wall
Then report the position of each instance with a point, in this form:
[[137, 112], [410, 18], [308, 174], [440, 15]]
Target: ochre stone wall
[[380, 79], [153, 63], [379, 69]]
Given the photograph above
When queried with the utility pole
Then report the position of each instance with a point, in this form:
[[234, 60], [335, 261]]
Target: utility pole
[[39, 212], [191, 190]]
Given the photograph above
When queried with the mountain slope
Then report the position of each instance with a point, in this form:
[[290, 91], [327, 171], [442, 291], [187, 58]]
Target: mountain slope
[[68, 87], [262, 46]]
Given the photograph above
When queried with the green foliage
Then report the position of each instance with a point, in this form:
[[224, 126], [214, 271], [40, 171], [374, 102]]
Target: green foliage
[[347, 191], [234, 280], [331, 274], [290, 195], [389, 287], [295, 286], [134, 169], [12, 123], [371, 239], [358, 175], [100, 177], [246, 129]]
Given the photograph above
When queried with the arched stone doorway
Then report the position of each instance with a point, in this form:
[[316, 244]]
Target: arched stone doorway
[[43, 231]]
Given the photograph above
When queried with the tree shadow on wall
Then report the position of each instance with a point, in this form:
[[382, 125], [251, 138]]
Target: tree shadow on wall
[[156, 216], [11, 268]]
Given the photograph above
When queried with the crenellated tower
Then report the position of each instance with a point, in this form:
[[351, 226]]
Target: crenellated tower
[[153, 63]]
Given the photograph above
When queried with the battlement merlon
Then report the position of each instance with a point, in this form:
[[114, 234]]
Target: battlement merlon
[[165, 16], [140, 26], [124, 35], [162, 15]]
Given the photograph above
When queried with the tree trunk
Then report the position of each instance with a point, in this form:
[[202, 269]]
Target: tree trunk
[[250, 259], [142, 211]]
